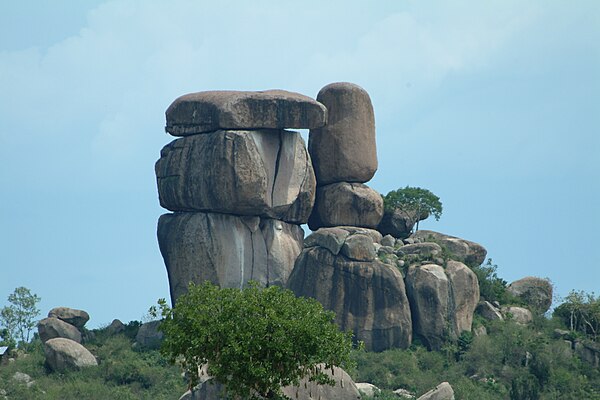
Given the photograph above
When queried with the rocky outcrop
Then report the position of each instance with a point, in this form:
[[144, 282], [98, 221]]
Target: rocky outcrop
[[443, 391], [344, 389], [50, 328], [344, 150], [344, 203], [518, 314], [535, 292], [442, 301], [264, 172], [227, 250], [398, 223], [470, 253], [273, 109], [487, 310], [77, 318], [149, 336], [368, 297], [367, 389], [65, 354]]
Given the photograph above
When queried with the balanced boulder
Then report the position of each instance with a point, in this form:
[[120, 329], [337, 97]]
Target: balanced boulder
[[460, 249], [263, 172], [353, 204], [50, 328], [64, 354], [272, 109], [536, 292], [72, 316], [344, 150], [227, 250]]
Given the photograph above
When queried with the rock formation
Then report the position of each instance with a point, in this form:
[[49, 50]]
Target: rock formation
[[64, 354], [470, 253], [536, 292], [443, 391]]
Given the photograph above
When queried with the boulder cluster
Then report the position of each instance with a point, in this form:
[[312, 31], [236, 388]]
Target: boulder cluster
[[61, 333]]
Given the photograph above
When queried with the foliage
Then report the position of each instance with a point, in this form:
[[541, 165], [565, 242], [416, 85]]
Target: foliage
[[420, 201], [254, 340], [491, 286], [18, 319], [580, 312]]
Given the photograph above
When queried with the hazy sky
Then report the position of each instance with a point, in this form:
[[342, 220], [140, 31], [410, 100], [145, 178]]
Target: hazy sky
[[493, 106]]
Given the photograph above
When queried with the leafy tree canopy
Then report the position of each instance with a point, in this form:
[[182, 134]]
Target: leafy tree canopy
[[19, 318], [420, 201], [581, 313], [255, 340]]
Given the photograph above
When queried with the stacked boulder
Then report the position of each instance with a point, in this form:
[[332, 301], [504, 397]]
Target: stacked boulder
[[239, 185], [61, 335]]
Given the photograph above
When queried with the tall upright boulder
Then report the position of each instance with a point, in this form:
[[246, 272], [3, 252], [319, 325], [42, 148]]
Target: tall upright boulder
[[344, 150]]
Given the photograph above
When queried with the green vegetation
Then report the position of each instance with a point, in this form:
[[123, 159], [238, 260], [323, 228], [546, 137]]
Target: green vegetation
[[580, 312], [414, 199], [19, 318], [255, 340]]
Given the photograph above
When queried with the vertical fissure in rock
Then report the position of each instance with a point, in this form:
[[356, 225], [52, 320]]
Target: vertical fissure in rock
[[276, 171], [451, 311]]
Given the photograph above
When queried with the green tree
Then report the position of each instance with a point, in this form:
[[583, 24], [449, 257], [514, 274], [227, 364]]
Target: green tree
[[18, 319], [419, 201], [581, 313], [255, 340]]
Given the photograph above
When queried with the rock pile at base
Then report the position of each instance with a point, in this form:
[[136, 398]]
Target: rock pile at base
[[239, 185]]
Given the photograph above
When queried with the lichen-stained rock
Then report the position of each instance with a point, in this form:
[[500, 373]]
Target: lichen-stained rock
[[50, 328], [464, 288], [226, 250], [536, 292], [462, 250], [272, 109], [368, 297], [65, 354], [72, 316], [359, 247], [420, 249], [344, 150], [344, 203], [263, 172]]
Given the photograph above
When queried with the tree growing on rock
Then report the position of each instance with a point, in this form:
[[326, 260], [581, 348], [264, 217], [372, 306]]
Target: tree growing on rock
[[18, 319], [255, 340], [419, 201]]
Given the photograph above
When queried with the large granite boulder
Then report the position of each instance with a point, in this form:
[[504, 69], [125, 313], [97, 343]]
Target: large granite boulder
[[368, 297], [353, 204], [344, 389], [443, 391], [149, 336], [72, 316], [65, 354], [50, 328], [344, 150], [227, 250], [460, 249], [442, 301], [262, 172], [272, 109], [399, 223], [520, 315], [487, 311], [536, 292]]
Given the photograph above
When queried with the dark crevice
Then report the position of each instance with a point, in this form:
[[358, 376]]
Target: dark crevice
[[276, 172]]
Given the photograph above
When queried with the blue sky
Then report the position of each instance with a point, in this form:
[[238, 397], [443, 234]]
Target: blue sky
[[493, 106]]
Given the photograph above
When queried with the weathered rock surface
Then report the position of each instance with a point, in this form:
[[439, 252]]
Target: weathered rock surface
[[488, 311], [77, 318], [536, 292], [398, 223], [367, 389], [442, 301], [353, 204], [344, 389], [272, 109], [226, 250], [368, 297], [462, 250], [50, 328], [443, 391], [427, 250], [149, 336], [64, 354], [263, 172], [359, 247], [115, 327], [518, 314], [344, 150]]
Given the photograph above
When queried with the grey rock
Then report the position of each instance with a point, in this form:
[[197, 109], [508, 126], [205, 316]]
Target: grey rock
[[330, 238], [465, 294], [149, 336], [399, 223], [375, 236], [344, 203], [367, 389], [115, 327], [359, 248], [470, 253], [443, 391], [23, 379], [518, 314], [72, 316], [561, 333], [368, 298], [480, 331], [488, 311], [388, 240], [272, 109], [409, 241], [50, 328], [65, 354], [344, 389], [226, 250], [420, 249], [403, 393], [536, 292], [589, 352], [266, 173], [344, 150]]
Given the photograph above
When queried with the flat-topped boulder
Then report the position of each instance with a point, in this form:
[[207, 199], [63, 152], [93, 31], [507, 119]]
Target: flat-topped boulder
[[344, 150], [226, 250], [262, 172], [460, 249], [72, 316], [223, 109]]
